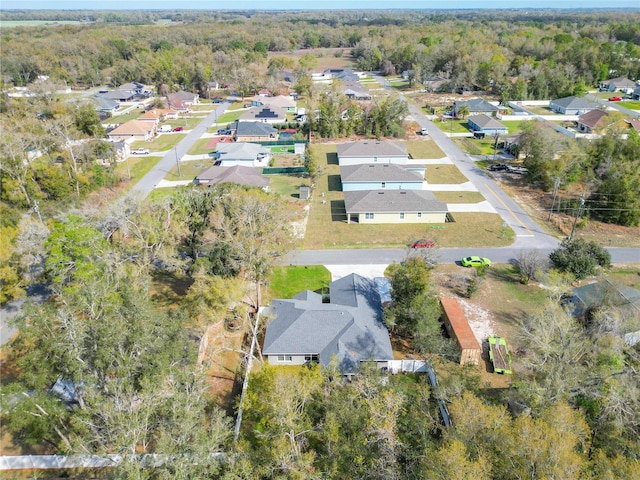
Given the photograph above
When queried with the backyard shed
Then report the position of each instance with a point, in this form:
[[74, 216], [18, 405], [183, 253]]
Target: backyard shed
[[459, 329]]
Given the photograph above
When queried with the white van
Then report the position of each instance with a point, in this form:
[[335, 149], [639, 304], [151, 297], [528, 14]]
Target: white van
[[424, 131], [165, 128]]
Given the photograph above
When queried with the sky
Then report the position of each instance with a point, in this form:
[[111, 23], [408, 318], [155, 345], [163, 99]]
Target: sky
[[309, 5]]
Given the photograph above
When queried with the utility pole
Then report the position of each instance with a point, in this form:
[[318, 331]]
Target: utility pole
[[556, 186], [175, 150], [575, 220]]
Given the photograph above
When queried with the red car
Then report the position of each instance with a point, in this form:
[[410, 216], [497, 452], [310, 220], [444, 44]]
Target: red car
[[178, 129], [615, 99], [423, 243]]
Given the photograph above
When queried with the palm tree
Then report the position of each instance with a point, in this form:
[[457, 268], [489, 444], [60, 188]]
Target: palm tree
[[463, 111]]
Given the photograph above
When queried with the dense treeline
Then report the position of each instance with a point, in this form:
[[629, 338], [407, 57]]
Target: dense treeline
[[545, 55]]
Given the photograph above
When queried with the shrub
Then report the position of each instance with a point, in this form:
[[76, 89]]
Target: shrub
[[580, 257]]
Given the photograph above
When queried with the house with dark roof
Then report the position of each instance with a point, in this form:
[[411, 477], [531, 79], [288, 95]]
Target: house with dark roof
[[590, 121], [475, 106], [620, 84], [356, 91], [372, 151], [347, 330], [118, 95], [253, 131], [381, 176], [264, 115], [245, 154], [572, 105], [103, 104], [394, 206], [485, 125], [239, 174], [622, 301], [635, 95]]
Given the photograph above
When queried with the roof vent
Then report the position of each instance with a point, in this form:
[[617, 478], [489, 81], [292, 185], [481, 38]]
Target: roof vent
[[403, 193]]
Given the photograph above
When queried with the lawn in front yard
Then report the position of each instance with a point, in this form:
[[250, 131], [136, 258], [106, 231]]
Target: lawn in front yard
[[138, 166], [189, 170], [159, 143], [287, 186], [454, 125], [424, 149], [201, 147], [444, 174], [227, 117], [459, 197], [285, 282]]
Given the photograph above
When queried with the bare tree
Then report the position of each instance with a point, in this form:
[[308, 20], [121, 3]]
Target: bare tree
[[530, 264]]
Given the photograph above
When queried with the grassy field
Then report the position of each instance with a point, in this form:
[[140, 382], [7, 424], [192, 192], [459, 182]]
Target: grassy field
[[138, 166], [452, 125], [132, 115], [228, 117], [631, 104], [474, 146], [160, 143], [447, 174], [285, 282], [189, 170], [424, 149]]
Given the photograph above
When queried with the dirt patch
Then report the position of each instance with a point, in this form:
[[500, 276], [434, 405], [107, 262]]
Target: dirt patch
[[216, 140], [287, 160]]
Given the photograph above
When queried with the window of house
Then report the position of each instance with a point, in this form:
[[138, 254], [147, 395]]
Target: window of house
[[401, 215], [311, 358], [419, 214], [284, 358], [368, 216], [383, 185]]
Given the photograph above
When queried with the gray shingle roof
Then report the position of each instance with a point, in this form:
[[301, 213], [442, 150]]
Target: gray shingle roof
[[485, 121], [390, 201], [254, 129], [476, 105], [574, 102], [372, 148], [377, 172], [240, 151], [349, 328], [237, 174]]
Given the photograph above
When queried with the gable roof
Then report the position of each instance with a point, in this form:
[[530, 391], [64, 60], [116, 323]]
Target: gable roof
[[237, 174], [378, 172], [390, 201], [254, 129], [372, 148], [620, 82], [133, 127], [280, 101], [240, 151], [120, 95], [485, 121], [593, 118], [633, 123], [574, 102], [476, 105], [349, 327], [183, 96]]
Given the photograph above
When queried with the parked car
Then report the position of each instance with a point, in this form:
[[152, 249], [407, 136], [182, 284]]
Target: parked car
[[141, 151], [615, 99], [224, 131], [164, 128], [498, 167], [423, 131], [217, 100], [475, 261], [178, 129], [423, 243], [517, 169]]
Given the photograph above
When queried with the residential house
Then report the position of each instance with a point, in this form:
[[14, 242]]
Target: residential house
[[623, 301], [264, 115], [633, 123], [372, 151], [590, 121], [347, 330], [132, 87], [239, 174], [381, 176], [356, 91], [482, 125], [253, 132], [118, 95], [619, 84], [133, 130], [572, 105], [158, 115], [280, 102], [394, 206], [182, 101], [636, 93], [475, 106], [245, 154], [435, 83], [106, 105]]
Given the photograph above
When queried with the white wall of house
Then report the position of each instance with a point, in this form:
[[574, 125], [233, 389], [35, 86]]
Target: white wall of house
[[409, 217], [287, 359], [359, 186]]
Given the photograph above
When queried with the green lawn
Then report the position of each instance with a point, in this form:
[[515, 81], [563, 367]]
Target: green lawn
[[459, 197], [139, 166], [285, 282], [188, 170], [444, 174], [287, 185], [475, 146], [228, 117], [630, 104], [514, 127], [200, 147], [160, 143], [125, 118], [452, 125], [424, 149]]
